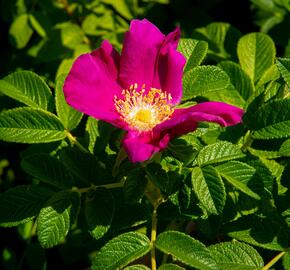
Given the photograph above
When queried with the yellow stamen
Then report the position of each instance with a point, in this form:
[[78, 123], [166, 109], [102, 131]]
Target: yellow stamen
[[143, 111]]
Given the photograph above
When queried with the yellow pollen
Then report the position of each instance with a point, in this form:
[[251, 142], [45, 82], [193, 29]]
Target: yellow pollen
[[143, 110], [144, 115]]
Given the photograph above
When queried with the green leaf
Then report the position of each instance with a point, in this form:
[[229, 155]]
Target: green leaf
[[36, 21], [270, 121], [285, 148], [262, 181], [47, 169], [286, 261], [128, 216], [256, 52], [126, 8], [56, 217], [137, 267], [229, 95], [209, 189], [221, 37], [264, 153], [28, 88], [284, 68], [27, 125], [135, 186], [185, 148], [170, 266], [21, 204], [20, 31], [99, 133], [238, 174], [165, 181], [64, 67], [121, 250], [204, 79], [68, 115], [268, 233], [85, 167], [185, 249], [71, 34], [193, 50], [99, 211], [271, 74], [239, 78], [92, 129], [218, 152], [236, 255]]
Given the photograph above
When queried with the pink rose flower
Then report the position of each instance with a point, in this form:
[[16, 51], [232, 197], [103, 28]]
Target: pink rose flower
[[138, 90]]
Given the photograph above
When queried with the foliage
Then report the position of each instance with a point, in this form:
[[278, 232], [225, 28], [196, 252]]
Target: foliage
[[221, 195]]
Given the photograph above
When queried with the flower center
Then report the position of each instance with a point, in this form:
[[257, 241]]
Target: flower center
[[143, 110], [144, 115]]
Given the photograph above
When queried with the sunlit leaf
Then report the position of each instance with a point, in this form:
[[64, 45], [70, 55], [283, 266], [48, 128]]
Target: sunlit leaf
[[21, 31], [121, 250], [209, 189], [68, 115], [271, 120], [218, 152], [236, 255], [194, 52], [28, 88], [284, 68], [27, 125], [56, 217], [256, 52], [238, 174], [239, 78], [204, 79], [185, 249]]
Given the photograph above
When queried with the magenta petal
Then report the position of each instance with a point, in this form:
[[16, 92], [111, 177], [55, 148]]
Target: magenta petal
[[92, 83], [140, 49], [141, 146], [170, 65], [230, 114], [185, 120]]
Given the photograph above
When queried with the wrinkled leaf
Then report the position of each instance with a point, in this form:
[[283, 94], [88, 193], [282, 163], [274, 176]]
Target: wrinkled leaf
[[21, 204], [120, 251], [236, 255], [68, 115], [218, 152], [27, 125], [99, 211], [185, 249], [209, 189], [256, 52], [56, 217], [28, 88]]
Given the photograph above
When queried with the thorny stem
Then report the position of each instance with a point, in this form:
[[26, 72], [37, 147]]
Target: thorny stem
[[274, 260], [76, 143]]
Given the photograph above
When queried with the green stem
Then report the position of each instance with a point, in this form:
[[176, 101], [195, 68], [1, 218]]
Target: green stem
[[32, 233], [274, 260], [153, 235], [154, 196], [76, 143], [248, 141], [109, 186]]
